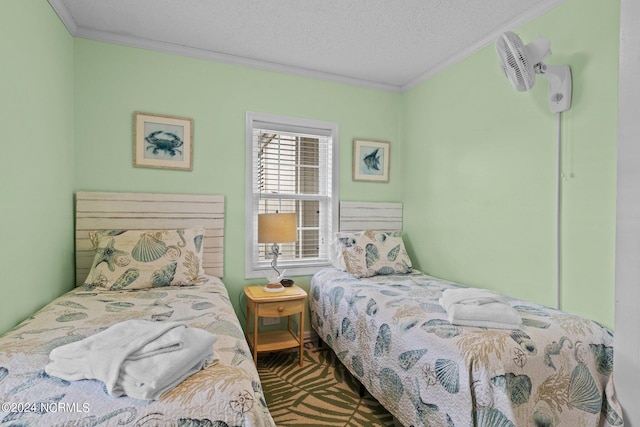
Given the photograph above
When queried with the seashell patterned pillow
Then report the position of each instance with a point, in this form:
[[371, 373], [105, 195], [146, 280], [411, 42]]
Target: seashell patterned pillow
[[371, 253], [138, 259]]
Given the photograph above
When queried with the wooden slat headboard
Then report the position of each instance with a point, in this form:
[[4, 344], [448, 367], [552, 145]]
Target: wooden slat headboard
[[358, 216], [149, 211]]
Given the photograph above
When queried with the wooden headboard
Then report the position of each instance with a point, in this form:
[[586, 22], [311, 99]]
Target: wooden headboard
[[358, 216], [149, 211]]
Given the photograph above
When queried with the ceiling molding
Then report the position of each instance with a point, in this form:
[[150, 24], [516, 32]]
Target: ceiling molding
[[480, 44], [137, 42], [229, 59], [64, 15]]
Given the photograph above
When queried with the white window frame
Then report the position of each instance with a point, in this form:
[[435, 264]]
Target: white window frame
[[255, 268]]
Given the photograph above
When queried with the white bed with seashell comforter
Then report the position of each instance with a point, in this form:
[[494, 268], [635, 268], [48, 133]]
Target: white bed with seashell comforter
[[392, 333], [182, 286]]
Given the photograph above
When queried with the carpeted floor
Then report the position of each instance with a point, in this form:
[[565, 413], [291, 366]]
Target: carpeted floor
[[321, 393]]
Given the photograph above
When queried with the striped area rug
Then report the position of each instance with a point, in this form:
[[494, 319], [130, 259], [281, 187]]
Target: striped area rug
[[321, 393]]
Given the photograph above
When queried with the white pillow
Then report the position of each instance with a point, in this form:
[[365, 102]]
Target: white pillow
[[335, 249]]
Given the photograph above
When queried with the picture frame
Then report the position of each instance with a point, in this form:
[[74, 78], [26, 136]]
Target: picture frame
[[371, 160], [161, 141]]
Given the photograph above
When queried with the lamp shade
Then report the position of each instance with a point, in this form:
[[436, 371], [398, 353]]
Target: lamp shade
[[277, 228]]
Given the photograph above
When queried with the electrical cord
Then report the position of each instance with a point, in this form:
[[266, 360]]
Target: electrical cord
[[559, 179]]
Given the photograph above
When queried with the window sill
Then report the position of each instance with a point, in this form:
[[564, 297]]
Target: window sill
[[290, 271]]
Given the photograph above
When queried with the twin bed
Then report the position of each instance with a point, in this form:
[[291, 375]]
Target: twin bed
[[392, 334], [389, 330], [227, 392]]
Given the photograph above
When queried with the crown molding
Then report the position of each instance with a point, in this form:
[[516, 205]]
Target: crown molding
[[64, 15], [76, 31], [215, 56], [228, 59], [480, 44]]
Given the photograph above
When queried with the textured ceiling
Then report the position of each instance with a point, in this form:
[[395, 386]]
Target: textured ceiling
[[383, 44]]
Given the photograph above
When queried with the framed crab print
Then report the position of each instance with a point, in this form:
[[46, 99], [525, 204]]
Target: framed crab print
[[162, 141], [370, 160]]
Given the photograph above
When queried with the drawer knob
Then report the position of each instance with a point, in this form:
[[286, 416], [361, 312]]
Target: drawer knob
[[281, 309]]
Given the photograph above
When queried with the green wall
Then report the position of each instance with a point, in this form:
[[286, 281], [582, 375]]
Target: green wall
[[111, 82], [472, 159], [36, 176], [480, 168]]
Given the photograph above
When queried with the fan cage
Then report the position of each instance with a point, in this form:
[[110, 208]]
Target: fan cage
[[515, 62]]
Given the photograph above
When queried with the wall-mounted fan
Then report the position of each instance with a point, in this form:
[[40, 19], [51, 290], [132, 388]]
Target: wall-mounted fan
[[521, 63]]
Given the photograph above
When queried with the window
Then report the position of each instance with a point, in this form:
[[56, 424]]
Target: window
[[291, 168]]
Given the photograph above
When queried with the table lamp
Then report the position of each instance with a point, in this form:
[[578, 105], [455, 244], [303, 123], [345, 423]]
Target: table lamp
[[276, 228]]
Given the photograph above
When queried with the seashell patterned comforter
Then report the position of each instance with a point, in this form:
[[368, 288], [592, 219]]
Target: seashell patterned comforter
[[225, 393], [393, 335]]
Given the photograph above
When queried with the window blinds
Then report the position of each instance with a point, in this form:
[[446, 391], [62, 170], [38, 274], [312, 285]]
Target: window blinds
[[292, 174]]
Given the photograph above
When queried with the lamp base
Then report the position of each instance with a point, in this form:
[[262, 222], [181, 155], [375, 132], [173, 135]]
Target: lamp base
[[274, 287]]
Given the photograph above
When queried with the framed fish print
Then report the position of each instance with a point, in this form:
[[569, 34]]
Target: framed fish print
[[370, 160], [162, 141]]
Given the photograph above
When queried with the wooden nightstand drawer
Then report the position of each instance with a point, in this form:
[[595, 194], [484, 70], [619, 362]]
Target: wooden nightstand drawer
[[280, 308]]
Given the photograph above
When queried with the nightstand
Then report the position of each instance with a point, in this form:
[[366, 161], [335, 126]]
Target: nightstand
[[271, 304]]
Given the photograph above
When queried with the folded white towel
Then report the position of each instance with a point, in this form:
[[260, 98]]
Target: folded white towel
[[172, 340], [491, 315], [470, 296], [147, 378], [479, 308], [102, 355], [154, 390]]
